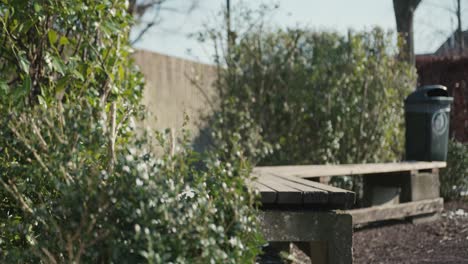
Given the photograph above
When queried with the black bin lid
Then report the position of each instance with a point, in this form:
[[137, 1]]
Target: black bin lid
[[430, 93]]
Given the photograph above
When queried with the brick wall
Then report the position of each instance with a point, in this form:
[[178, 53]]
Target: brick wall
[[451, 72]]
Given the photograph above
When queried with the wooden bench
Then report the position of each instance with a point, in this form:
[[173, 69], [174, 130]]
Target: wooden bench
[[415, 186], [306, 213]]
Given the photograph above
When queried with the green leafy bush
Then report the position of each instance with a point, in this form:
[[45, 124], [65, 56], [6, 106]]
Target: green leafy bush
[[66, 49], [63, 204], [236, 135], [78, 183], [317, 97], [454, 178]]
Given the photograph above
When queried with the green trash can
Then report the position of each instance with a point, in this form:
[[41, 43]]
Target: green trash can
[[427, 117]]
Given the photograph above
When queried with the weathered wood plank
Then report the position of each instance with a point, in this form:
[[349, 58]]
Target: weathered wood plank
[[310, 195], [285, 194], [312, 171], [267, 195], [387, 212], [336, 196]]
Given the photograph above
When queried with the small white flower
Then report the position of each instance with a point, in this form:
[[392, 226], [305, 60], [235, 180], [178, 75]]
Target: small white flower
[[47, 59], [188, 193], [233, 241], [129, 157], [139, 182], [141, 167]]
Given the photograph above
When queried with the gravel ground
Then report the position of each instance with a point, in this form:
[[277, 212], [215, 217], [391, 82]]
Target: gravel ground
[[442, 241]]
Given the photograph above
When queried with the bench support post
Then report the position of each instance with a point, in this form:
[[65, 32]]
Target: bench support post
[[425, 185], [412, 186], [316, 250], [326, 237]]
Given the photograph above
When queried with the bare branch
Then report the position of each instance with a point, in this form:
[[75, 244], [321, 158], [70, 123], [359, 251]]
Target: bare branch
[[112, 136], [142, 32], [156, 6], [11, 188], [49, 256]]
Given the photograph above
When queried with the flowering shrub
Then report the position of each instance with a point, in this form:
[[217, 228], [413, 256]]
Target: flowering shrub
[[62, 203]]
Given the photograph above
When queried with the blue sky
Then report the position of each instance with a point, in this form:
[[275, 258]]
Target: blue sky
[[434, 21]]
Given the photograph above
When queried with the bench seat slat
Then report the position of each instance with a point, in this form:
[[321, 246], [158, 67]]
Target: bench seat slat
[[268, 195], [310, 195], [311, 171], [335, 195], [285, 194]]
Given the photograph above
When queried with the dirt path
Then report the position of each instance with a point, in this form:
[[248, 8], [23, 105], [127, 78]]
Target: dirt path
[[443, 241]]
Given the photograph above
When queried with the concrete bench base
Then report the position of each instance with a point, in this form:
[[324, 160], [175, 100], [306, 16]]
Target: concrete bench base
[[417, 197], [325, 236]]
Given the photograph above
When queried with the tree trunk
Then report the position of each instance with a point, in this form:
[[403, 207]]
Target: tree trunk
[[461, 44], [404, 13]]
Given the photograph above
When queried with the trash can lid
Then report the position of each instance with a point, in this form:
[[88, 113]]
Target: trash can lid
[[430, 93]]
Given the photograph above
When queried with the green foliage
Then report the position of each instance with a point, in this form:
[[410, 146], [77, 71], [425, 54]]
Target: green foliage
[[63, 204], [317, 97], [65, 49], [454, 178], [78, 183], [236, 135]]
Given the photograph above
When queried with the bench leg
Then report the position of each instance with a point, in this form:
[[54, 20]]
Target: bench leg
[[425, 185], [317, 251], [327, 237], [339, 249], [273, 252], [413, 185]]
